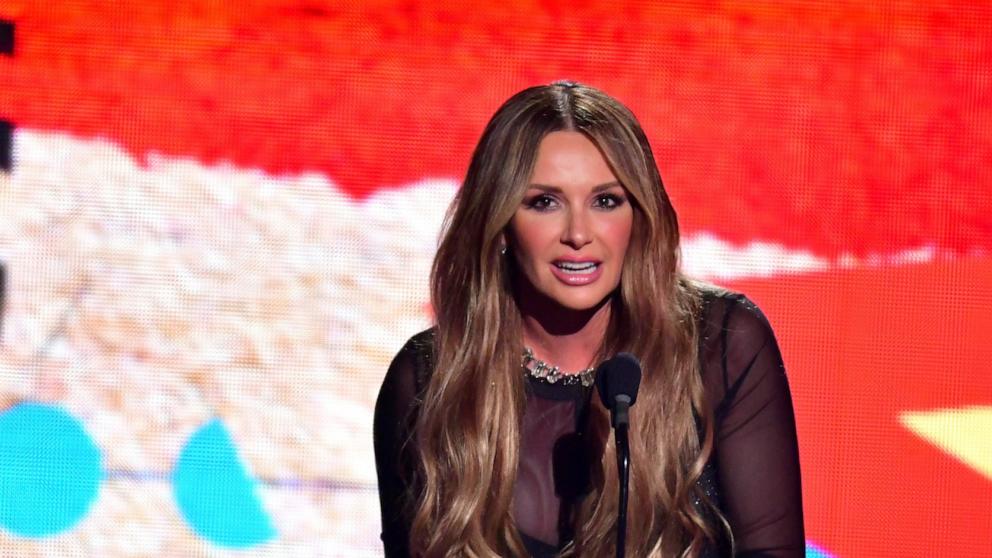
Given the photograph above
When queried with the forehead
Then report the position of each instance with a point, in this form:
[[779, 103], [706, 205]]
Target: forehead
[[570, 159]]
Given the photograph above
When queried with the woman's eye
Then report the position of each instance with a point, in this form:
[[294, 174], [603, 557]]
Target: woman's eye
[[609, 201], [541, 203]]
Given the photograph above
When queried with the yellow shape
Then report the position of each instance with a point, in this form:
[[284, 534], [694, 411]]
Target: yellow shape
[[965, 433]]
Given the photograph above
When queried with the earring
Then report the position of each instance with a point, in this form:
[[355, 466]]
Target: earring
[[502, 250]]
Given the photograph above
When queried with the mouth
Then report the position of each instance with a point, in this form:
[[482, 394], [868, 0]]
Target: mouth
[[577, 268]]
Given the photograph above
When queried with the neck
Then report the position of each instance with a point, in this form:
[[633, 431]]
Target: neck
[[561, 336]]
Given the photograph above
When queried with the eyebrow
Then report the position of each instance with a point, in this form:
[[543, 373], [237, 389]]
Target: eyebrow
[[557, 190]]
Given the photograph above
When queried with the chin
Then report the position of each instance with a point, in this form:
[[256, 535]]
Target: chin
[[580, 303]]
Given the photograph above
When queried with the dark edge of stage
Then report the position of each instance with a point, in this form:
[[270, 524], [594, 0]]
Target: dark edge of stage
[[6, 37], [6, 127], [6, 146]]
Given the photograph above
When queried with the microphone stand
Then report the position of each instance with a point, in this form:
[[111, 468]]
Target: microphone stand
[[623, 469], [621, 422], [617, 381]]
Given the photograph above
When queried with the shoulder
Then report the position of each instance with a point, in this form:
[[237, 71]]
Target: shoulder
[[420, 345], [736, 342], [731, 315], [417, 356], [405, 379]]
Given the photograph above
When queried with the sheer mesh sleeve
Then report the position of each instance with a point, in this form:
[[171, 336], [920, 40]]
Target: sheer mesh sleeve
[[392, 428], [757, 453]]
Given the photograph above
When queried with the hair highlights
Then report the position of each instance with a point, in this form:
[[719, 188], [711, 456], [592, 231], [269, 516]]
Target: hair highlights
[[468, 429]]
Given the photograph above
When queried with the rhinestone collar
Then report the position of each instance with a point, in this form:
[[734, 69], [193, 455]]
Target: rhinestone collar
[[552, 374]]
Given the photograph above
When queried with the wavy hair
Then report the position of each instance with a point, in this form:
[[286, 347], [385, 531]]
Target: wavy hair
[[467, 434]]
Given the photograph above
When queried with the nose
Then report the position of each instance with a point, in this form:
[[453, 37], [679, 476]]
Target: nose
[[576, 233]]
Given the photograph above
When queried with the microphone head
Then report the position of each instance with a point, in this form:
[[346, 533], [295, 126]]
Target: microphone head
[[620, 375]]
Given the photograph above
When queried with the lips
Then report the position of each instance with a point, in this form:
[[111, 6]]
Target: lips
[[577, 272], [577, 267]]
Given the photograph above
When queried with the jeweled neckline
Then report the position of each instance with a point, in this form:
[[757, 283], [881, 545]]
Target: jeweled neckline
[[549, 374]]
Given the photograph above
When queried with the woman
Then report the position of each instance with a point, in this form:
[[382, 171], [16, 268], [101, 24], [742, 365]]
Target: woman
[[562, 248]]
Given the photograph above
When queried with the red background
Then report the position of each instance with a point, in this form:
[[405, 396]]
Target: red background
[[853, 131]]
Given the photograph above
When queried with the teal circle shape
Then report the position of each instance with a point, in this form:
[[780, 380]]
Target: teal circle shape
[[813, 551], [215, 493], [50, 470]]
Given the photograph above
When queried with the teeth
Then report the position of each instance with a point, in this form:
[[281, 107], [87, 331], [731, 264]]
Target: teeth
[[576, 267]]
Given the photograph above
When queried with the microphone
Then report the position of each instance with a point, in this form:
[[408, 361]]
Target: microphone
[[617, 381]]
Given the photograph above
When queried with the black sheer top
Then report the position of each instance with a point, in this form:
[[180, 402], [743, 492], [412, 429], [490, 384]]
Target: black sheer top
[[753, 474]]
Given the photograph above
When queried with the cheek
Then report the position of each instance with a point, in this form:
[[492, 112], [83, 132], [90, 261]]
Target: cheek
[[617, 234], [531, 239]]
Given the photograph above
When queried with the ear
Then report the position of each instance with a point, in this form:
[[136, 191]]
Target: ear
[[505, 242]]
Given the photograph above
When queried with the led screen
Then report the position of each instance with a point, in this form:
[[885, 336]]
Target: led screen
[[217, 221]]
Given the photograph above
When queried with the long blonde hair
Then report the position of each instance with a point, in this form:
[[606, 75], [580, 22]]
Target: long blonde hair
[[467, 432]]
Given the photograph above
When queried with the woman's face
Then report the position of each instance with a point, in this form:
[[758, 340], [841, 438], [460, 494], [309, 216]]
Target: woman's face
[[570, 234]]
